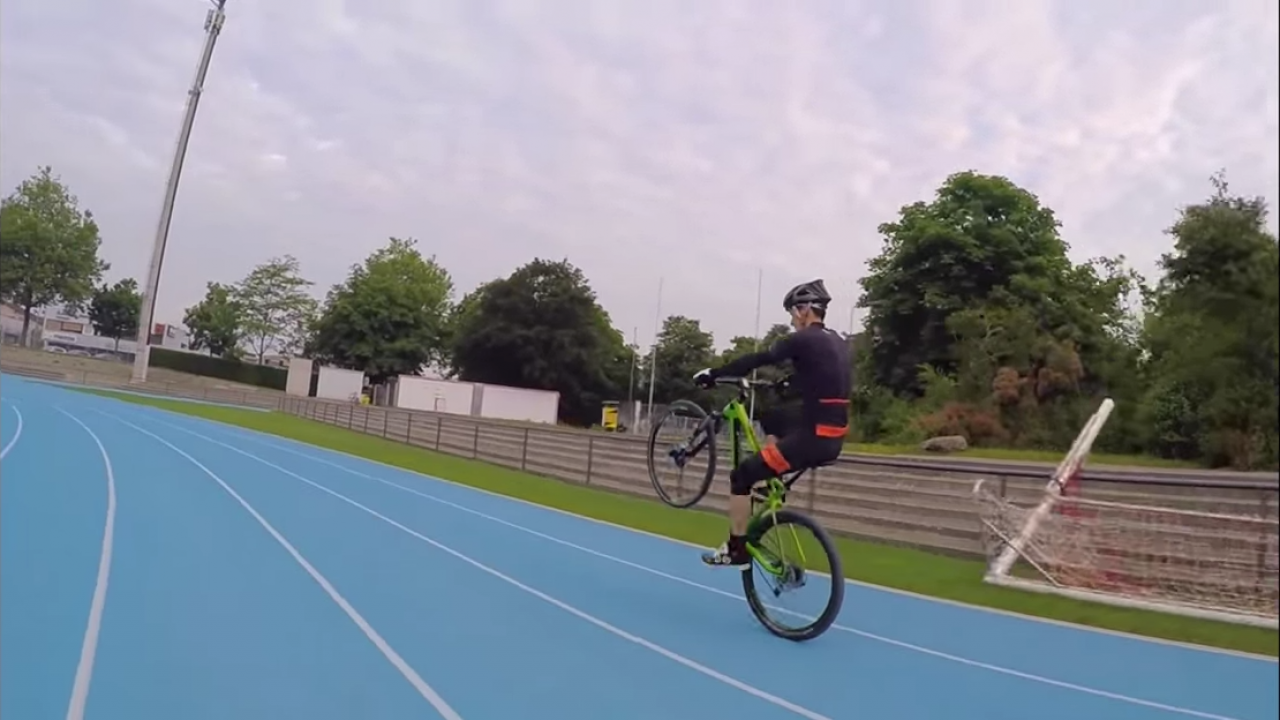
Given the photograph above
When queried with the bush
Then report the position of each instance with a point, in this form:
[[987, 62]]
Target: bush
[[978, 425], [222, 368]]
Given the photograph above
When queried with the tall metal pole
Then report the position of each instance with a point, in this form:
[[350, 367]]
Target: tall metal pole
[[751, 412], [631, 381], [213, 26], [635, 358], [653, 355]]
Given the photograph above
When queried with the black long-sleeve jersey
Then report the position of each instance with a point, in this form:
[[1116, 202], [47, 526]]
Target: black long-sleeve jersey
[[823, 375]]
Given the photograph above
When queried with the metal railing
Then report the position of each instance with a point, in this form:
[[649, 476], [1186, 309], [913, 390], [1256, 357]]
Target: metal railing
[[906, 501], [895, 500]]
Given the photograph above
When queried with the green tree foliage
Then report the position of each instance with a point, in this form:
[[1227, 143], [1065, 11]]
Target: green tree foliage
[[683, 348], [215, 322], [389, 317], [974, 300], [276, 311], [48, 247], [462, 315], [542, 328], [1213, 334], [115, 309], [978, 324], [982, 239]]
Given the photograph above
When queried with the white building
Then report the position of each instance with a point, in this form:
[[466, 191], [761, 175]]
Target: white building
[[56, 327]]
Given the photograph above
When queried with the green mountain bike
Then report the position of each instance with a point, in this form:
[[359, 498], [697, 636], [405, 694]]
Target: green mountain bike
[[784, 560]]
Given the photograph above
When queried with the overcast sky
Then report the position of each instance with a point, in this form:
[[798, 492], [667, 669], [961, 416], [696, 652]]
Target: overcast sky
[[701, 141]]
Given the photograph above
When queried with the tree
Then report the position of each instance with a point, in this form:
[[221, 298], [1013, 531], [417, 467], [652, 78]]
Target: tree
[[48, 247], [542, 327], [683, 348], [215, 321], [975, 298], [461, 315], [275, 307], [115, 310], [980, 236], [389, 317], [1213, 335]]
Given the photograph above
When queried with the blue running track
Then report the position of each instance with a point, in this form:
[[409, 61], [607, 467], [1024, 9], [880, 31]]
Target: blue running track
[[157, 566]]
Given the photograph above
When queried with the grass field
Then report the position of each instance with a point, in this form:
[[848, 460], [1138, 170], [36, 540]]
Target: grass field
[[902, 568]]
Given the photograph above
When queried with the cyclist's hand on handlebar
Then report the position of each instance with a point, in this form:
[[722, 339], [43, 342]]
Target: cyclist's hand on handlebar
[[704, 378]]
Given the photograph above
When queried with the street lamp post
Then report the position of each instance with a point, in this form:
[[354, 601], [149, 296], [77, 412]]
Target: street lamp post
[[213, 26]]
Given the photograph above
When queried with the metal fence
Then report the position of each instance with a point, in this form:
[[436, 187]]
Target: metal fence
[[907, 501], [899, 501]]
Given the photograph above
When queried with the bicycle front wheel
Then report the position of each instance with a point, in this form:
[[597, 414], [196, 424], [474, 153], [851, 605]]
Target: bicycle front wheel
[[682, 442], [784, 587]]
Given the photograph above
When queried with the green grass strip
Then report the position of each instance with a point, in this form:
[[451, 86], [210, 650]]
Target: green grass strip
[[903, 568]]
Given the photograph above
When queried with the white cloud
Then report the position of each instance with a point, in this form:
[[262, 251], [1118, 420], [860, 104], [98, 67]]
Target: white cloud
[[692, 141]]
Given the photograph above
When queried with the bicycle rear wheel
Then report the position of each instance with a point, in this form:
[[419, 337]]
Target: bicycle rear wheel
[[673, 446], [793, 547]]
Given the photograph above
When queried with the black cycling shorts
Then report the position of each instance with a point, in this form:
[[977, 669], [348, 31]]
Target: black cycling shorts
[[798, 448]]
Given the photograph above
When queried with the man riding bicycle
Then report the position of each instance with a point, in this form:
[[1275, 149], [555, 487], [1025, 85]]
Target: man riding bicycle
[[797, 437]]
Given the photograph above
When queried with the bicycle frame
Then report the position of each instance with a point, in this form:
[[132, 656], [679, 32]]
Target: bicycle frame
[[780, 568], [740, 429]]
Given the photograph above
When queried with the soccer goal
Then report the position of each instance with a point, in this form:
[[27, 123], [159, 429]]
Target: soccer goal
[[1202, 564]]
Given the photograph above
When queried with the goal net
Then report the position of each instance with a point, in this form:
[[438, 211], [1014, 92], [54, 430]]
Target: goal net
[[1205, 564]]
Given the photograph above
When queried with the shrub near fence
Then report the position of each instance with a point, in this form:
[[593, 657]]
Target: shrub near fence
[[265, 376], [894, 500]]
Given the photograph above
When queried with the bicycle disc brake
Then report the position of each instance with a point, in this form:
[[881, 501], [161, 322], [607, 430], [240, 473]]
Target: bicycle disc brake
[[680, 454], [792, 577]]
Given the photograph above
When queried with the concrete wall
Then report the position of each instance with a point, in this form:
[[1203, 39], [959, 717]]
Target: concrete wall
[[339, 384], [434, 395], [298, 382], [508, 403]]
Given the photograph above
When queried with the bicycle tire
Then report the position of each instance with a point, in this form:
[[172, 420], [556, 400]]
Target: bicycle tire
[[704, 425], [835, 600]]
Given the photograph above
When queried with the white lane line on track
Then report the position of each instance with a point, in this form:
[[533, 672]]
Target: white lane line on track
[[16, 433], [270, 439], [262, 436], [969, 662], [580, 614], [427, 692], [89, 647]]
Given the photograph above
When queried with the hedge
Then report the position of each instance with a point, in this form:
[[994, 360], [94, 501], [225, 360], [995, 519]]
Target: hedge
[[208, 366]]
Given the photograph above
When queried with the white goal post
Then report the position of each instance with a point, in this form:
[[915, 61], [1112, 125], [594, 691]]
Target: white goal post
[[1212, 565]]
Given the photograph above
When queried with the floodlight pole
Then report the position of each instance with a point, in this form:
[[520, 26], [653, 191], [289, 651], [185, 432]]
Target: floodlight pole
[[751, 413], [213, 27], [653, 356]]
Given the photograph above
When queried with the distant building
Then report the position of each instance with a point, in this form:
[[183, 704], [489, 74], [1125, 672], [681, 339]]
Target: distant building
[[60, 328]]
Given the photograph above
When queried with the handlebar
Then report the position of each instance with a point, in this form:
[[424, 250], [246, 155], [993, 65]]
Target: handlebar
[[745, 384]]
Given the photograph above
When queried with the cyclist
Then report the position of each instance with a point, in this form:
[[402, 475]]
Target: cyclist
[[806, 436]]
